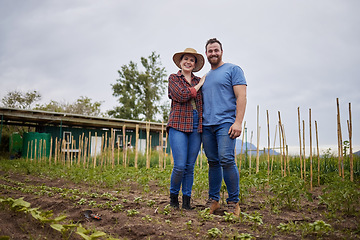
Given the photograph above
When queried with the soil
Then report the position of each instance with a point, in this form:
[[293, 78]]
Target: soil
[[151, 222]]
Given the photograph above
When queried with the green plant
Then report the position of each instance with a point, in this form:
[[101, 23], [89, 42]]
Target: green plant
[[214, 233], [205, 215], [255, 217], [167, 210], [132, 212], [288, 191], [229, 217], [117, 208], [341, 195], [243, 236], [147, 218]]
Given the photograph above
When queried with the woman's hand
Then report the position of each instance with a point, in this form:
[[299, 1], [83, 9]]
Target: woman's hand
[[201, 82]]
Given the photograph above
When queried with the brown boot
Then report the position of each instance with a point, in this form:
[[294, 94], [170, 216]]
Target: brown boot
[[233, 208], [213, 205]]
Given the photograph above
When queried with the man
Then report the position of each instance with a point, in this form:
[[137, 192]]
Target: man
[[224, 103]]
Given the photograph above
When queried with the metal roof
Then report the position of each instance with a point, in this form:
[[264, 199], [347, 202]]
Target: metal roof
[[33, 118]]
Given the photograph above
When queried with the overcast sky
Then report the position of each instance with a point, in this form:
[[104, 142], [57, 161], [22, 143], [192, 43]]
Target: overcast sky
[[300, 53]]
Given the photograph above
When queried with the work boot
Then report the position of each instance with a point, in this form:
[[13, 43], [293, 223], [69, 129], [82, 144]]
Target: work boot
[[186, 202], [174, 200], [213, 205], [233, 208]]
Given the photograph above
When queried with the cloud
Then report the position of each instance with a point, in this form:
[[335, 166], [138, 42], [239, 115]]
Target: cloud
[[294, 54]]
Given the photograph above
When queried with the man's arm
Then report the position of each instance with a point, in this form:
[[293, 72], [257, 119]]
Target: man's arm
[[240, 94]]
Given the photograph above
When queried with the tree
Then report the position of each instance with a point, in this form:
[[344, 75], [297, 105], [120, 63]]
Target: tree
[[21, 100], [139, 92], [82, 106]]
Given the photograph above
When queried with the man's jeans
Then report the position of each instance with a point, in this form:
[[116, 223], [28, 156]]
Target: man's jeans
[[219, 149], [185, 149]]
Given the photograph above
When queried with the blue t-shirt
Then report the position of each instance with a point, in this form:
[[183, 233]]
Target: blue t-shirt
[[219, 105]]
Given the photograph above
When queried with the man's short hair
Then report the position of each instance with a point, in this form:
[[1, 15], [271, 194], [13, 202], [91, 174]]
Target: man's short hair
[[211, 41]]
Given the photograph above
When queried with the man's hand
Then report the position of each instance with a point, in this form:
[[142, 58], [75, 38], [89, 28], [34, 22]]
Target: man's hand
[[235, 130]]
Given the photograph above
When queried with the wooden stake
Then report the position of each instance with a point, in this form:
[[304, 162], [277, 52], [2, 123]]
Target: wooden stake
[[301, 165], [136, 144], [310, 147], [318, 153], [251, 136], [268, 152], [95, 154], [350, 142], [281, 138], [27, 153], [303, 121], [258, 140], [340, 148], [51, 145], [272, 155], [166, 138], [148, 145], [85, 152], [242, 146], [112, 148]]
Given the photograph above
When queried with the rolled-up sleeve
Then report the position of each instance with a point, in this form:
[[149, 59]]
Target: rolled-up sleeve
[[178, 91]]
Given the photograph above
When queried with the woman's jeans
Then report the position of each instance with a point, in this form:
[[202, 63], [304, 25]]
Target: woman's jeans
[[219, 149], [185, 149]]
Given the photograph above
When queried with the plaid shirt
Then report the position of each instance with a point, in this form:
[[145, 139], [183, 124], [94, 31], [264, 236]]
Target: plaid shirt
[[181, 92]]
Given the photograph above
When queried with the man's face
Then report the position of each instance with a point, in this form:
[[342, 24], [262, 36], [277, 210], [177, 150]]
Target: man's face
[[214, 53]]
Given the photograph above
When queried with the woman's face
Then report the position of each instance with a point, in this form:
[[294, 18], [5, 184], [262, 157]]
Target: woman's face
[[187, 63]]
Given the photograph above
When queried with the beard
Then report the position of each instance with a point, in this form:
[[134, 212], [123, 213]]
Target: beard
[[214, 60]]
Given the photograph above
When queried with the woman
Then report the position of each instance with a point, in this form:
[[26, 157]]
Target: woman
[[185, 123]]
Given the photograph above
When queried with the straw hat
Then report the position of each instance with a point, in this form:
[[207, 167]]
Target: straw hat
[[200, 59]]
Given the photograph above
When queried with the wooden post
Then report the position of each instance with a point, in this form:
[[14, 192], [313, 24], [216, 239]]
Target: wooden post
[[301, 164], [136, 145], [85, 152], [27, 153], [242, 146], [340, 163], [268, 152], [124, 144], [166, 138], [318, 153], [310, 147], [56, 150], [31, 150], [89, 151], [148, 145], [303, 121], [281, 136], [272, 155], [51, 145], [102, 149], [258, 140], [161, 135], [251, 136], [72, 148], [40, 149], [35, 151], [350, 145], [118, 150], [125, 149], [112, 148], [95, 153]]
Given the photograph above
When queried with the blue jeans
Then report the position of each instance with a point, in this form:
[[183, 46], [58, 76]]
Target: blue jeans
[[219, 149], [185, 148]]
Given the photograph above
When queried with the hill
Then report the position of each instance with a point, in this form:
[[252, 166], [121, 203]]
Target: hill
[[250, 147]]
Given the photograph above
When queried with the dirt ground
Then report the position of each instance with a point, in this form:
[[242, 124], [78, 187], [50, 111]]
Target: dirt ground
[[151, 220]]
